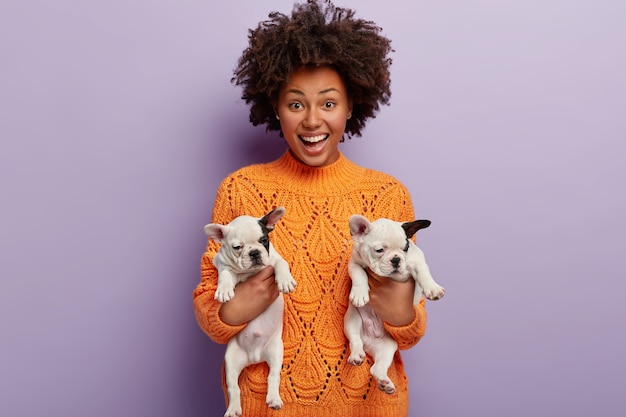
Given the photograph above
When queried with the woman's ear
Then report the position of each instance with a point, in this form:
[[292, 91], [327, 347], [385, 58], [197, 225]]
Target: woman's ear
[[275, 107]]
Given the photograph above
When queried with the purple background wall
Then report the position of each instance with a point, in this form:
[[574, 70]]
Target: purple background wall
[[118, 120]]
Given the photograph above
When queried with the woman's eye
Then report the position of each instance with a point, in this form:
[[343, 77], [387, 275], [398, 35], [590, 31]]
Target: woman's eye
[[295, 106], [329, 105]]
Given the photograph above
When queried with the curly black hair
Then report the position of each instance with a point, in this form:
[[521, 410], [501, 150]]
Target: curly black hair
[[316, 34]]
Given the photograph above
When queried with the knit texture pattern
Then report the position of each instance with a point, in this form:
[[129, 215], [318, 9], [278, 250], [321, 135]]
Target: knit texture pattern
[[314, 238]]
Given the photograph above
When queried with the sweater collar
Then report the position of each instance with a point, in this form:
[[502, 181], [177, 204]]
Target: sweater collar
[[336, 177]]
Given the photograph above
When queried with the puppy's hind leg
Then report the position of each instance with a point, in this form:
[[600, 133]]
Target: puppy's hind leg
[[353, 327], [274, 359], [383, 353], [235, 359]]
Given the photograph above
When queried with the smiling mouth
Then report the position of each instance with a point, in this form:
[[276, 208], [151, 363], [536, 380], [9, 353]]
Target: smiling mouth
[[313, 140]]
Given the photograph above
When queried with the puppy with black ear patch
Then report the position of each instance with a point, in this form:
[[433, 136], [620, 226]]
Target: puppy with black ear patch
[[245, 250], [385, 247]]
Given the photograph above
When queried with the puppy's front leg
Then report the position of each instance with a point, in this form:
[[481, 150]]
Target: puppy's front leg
[[226, 282], [359, 293], [284, 279], [425, 282]]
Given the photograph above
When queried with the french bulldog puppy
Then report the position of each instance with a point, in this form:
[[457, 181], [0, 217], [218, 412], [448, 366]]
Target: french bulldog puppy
[[385, 247], [245, 250]]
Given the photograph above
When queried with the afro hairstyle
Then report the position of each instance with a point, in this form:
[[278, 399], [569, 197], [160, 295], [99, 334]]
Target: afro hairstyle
[[316, 34]]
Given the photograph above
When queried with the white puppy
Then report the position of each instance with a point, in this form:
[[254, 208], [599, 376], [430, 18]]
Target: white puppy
[[245, 250], [385, 247]]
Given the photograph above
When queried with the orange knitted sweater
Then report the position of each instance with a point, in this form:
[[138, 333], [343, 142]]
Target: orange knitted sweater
[[314, 238]]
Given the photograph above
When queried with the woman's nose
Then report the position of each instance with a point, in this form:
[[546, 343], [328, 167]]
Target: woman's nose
[[312, 118]]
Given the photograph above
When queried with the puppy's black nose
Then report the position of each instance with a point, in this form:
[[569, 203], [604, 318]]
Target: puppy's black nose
[[395, 261], [255, 254]]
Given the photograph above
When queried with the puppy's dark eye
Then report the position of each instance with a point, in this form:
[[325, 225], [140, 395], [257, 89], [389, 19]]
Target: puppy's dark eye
[[379, 250], [264, 241], [237, 247]]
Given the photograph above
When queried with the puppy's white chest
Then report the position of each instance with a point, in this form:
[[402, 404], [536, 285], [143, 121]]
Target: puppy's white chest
[[373, 329], [255, 337]]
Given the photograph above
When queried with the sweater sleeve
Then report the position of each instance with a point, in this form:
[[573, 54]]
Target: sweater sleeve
[[205, 306], [396, 204]]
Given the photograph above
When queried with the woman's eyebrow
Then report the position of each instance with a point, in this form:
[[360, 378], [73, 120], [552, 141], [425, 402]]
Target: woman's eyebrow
[[294, 91], [324, 91]]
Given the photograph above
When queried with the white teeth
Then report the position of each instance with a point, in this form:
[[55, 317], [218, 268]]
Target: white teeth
[[313, 139]]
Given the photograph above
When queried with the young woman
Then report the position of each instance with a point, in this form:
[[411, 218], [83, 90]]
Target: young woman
[[316, 77]]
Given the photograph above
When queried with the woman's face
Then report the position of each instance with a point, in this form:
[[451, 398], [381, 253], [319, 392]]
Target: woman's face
[[313, 107]]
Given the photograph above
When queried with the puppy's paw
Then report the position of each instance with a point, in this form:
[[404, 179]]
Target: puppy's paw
[[386, 386], [434, 292], [274, 401], [356, 358], [233, 412], [224, 293], [286, 284], [359, 296]]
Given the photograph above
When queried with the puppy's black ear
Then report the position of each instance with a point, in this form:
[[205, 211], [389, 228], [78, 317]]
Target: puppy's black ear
[[410, 228], [271, 218]]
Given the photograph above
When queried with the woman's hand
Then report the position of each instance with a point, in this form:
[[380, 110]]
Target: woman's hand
[[252, 297], [391, 300]]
